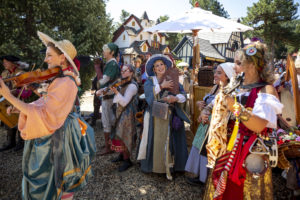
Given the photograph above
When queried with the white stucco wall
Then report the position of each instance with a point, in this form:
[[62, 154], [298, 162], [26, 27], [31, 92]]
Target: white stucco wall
[[136, 26], [123, 43]]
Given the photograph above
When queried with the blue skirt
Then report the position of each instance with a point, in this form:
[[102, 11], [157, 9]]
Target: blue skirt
[[196, 164]]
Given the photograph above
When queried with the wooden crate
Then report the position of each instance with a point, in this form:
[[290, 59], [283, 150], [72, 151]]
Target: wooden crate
[[205, 77], [199, 93]]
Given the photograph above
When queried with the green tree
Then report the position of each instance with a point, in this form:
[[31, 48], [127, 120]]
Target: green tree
[[173, 38], [124, 15], [271, 20], [86, 25], [212, 5], [162, 19]]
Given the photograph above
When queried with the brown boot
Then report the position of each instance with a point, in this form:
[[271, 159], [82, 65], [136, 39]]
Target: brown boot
[[106, 149]]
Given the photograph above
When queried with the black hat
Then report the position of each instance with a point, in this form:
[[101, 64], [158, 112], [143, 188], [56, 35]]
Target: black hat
[[10, 58]]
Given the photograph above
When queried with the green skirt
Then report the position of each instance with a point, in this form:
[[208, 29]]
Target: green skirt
[[58, 162]]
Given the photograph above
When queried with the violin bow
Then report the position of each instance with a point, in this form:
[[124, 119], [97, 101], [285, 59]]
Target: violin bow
[[20, 93]]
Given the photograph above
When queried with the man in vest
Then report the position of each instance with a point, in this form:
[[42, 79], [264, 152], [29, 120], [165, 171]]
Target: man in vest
[[111, 73]]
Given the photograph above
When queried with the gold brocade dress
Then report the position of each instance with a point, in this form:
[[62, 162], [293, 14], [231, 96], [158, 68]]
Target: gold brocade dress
[[256, 189]]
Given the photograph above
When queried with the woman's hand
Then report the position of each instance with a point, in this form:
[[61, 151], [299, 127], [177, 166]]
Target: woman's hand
[[167, 84], [199, 119], [4, 90], [200, 105], [229, 102], [11, 109], [114, 90], [99, 92], [170, 99], [204, 117]]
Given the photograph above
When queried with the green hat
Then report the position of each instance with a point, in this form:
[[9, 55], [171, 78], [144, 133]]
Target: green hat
[[113, 47]]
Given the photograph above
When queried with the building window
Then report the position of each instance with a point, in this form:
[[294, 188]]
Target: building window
[[141, 37], [124, 37], [144, 48], [133, 23]]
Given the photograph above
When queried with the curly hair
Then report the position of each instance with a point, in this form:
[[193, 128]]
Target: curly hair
[[257, 53]]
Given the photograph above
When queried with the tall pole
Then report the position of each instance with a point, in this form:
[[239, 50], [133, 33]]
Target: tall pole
[[196, 64]]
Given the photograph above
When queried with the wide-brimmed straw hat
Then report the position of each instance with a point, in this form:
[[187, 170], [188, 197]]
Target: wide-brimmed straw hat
[[65, 46], [153, 59]]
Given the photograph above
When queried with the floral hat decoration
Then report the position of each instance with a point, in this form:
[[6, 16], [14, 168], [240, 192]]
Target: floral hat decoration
[[256, 55]]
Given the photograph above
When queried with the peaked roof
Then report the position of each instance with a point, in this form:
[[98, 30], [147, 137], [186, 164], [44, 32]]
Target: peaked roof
[[130, 30], [135, 48], [145, 16], [206, 49], [215, 37]]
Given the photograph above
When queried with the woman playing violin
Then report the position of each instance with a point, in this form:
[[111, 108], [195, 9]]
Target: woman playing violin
[[48, 125], [126, 100]]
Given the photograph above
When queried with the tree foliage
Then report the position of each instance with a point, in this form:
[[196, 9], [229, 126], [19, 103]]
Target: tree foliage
[[212, 5], [274, 21], [124, 15], [173, 38], [84, 23]]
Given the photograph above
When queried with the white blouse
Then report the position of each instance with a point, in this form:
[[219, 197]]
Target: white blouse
[[267, 107], [129, 93], [181, 97]]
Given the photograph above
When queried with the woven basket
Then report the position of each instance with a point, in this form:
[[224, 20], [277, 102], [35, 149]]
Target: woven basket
[[205, 76], [288, 151]]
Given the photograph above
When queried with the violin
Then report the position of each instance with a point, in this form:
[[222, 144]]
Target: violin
[[115, 84], [36, 76]]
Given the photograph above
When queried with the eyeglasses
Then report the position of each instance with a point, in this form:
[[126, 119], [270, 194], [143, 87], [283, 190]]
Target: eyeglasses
[[123, 71]]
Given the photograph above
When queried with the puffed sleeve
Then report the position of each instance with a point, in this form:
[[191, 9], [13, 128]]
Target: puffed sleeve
[[149, 89], [49, 113], [267, 107], [129, 93]]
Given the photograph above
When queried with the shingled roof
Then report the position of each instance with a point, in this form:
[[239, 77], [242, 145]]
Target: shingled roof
[[131, 30], [134, 48], [206, 49], [145, 16]]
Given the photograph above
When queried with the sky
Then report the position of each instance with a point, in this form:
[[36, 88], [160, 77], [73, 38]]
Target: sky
[[173, 8]]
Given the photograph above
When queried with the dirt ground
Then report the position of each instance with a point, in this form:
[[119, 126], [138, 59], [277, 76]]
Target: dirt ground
[[108, 183]]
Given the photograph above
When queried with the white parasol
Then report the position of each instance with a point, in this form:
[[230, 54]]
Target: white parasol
[[199, 19]]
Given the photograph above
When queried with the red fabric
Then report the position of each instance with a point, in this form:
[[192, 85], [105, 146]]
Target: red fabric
[[77, 63], [237, 173], [117, 145], [70, 67], [25, 94], [68, 195], [13, 70], [143, 68]]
